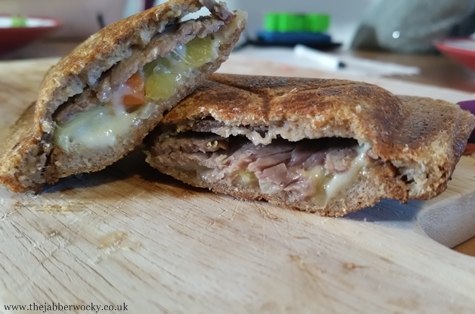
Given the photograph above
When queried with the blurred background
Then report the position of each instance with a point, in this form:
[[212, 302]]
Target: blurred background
[[368, 24], [404, 27], [345, 14], [79, 16]]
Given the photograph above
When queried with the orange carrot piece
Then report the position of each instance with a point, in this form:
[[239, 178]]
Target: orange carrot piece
[[136, 85]]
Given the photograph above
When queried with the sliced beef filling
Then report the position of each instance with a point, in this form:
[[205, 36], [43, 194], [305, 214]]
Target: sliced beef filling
[[302, 168]]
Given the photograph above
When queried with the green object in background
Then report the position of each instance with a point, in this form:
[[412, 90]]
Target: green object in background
[[317, 22], [271, 22], [18, 21], [287, 22]]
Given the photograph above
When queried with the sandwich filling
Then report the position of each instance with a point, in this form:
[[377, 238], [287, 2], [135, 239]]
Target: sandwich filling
[[100, 125], [306, 171]]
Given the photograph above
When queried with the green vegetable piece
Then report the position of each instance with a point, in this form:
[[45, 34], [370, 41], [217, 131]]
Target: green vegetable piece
[[164, 75], [200, 51]]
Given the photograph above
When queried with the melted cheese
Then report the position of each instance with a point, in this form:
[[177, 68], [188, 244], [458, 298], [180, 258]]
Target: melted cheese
[[95, 128], [341, 181]]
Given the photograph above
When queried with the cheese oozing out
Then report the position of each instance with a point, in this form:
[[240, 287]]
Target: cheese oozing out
[[102, 125]]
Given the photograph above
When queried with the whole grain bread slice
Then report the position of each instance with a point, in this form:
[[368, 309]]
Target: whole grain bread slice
[[416, 141], [29, 158]]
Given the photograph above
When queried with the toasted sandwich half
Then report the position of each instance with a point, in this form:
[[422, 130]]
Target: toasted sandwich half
[[325, 146], [99, 102]]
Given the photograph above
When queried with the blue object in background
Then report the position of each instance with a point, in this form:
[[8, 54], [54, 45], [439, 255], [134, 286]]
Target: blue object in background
[[293, 37]]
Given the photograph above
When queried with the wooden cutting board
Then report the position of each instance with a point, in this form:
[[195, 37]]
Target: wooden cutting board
[[131, 235]]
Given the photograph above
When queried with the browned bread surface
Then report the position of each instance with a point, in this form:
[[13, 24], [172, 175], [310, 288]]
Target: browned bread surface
[[20, 152], [240, 100], [28, 157], [418, 140]]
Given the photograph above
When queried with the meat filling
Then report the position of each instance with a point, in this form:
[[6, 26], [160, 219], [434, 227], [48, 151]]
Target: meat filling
[[308, 169]]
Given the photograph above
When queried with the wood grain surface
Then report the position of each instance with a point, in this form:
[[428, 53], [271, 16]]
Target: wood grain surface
[[131, 235]]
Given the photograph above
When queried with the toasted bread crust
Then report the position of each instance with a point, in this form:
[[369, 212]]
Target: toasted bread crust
[[28, 150], [20, 152], [251, 101], [418, 140]]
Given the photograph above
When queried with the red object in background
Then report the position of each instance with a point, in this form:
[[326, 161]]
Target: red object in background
[[12, 38], [461, 50]]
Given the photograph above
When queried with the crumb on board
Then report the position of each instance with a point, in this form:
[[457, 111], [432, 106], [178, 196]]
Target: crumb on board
[[349, 266]]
